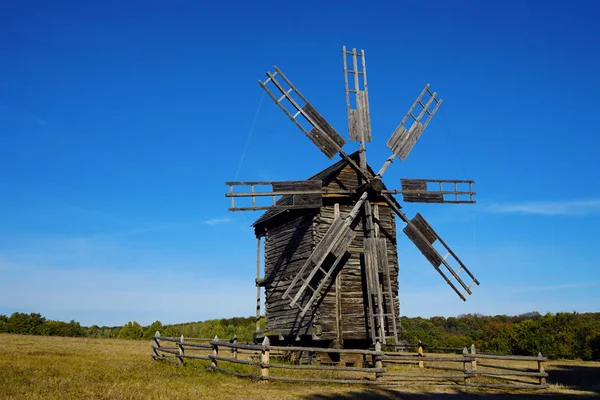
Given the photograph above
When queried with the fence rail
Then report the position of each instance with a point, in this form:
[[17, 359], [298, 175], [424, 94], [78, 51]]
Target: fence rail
[[472, 365], [261, 362]]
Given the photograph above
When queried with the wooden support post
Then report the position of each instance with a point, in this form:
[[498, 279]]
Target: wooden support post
[[215, 353], [157, 343], [181, 351], [387, 281], [474, 362], [420, 354], [339, 340], [466, 365], [257, 286], [542, 369], [264, 360], [234, 350], [377, 362]]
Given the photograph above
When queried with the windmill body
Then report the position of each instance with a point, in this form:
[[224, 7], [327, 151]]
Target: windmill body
[[330, 253], [340, 314]]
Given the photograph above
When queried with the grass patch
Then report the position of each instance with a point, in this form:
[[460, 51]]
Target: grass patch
[[36, 367]]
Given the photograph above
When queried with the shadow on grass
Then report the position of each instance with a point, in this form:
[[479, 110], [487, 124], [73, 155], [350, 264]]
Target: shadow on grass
[[399, 395], [576, 377], [584, 378]]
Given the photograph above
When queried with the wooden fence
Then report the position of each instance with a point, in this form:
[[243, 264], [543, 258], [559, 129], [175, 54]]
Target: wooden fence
[[470, 369], [263, 362]]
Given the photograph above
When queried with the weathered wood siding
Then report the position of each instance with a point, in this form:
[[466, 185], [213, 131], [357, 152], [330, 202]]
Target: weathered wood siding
[[288, 243], [353, 300], [287, 247], [387, 229], [353, 311]]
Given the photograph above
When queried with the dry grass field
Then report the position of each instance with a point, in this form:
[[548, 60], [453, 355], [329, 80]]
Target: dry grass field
[[33, 367]]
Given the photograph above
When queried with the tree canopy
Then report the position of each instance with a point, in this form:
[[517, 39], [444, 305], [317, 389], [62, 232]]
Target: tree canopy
[[561, 335]]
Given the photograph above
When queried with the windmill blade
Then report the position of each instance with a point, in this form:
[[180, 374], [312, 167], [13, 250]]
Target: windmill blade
[[294, 194], [303, 114], [403, 140], [418, 191], [376, 263], [359, 127], [371, 266], [418, 230], [333, 246], [423, 236], [357, 99]]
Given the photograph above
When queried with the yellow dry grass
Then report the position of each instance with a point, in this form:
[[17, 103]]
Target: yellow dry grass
[[77, 368]]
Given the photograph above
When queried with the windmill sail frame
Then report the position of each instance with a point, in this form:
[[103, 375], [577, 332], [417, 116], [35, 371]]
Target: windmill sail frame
[[318, 269]]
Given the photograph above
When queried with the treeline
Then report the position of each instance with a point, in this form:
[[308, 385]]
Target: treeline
[[36, 324], [561, 335]]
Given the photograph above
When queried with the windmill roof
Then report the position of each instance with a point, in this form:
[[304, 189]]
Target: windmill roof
[[330, 171]]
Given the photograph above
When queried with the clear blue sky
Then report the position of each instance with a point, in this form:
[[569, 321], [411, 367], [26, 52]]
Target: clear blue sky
[[121, 121]]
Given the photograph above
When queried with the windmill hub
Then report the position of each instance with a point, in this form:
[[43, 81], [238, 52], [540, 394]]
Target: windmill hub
[[377, 185], [331, 263], [374, 188]]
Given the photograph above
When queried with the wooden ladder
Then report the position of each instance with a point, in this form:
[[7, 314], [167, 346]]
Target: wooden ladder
[[335, 242]]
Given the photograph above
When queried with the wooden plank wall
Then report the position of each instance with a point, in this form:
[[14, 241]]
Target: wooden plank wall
[[387, 229], [352, 289], [287, 247], [353, 311]]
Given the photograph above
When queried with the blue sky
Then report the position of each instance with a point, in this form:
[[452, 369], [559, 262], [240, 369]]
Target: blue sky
[[120, 123]]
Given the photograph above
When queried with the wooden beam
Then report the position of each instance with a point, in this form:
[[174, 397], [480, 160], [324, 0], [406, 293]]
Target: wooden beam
[[258, 240]]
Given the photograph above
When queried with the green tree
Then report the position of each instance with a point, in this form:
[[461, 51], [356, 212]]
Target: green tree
[[73, 329], [497, 337], [4, 324], [171, 331], [594, 343], [24, 324], [529, 337], [93, 331], [563, 335], [131, 330], [151, 330]]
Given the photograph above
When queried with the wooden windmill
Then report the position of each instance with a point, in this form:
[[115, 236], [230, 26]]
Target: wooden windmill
[[331, 263]]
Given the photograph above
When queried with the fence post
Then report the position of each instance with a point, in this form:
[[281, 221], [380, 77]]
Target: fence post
[[157, 343], [474, 362], [377, 362], [466, 365], [541, 367], [215, 353], [420, 354], [234, 350], [180, 345], [264, 361]]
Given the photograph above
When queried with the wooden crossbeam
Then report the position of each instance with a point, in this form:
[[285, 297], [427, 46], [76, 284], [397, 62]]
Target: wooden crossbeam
[[403, 139], [284, 194], [419, 191]]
